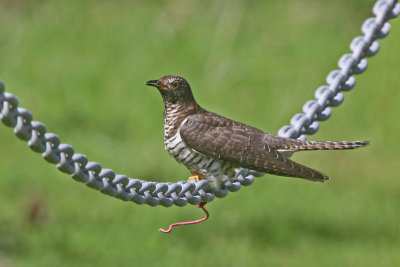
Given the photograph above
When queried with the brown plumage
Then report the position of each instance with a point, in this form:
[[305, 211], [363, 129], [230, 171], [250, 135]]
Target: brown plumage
[[213, 146]]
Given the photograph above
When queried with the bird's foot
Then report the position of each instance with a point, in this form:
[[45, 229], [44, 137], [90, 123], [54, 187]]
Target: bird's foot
[[194, 177]]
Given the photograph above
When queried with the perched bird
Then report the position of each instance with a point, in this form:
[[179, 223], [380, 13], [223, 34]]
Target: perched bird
[[212, 147]]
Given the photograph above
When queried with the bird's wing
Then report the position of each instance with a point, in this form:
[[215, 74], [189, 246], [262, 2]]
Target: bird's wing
[[241, 145]]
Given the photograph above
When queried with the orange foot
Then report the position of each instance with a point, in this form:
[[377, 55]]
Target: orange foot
[[195, 177]]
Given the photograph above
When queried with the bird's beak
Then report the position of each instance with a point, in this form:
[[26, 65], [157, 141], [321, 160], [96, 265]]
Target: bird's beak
[[154, 83]]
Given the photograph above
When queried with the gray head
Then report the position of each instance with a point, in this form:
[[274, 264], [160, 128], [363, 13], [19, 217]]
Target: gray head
[[174, 89]]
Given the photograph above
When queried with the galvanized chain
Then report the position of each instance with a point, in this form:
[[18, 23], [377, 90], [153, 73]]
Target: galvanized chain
[[182, 193], [342, 80]]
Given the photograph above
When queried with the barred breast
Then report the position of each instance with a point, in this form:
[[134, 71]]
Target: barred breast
[[212, 169]]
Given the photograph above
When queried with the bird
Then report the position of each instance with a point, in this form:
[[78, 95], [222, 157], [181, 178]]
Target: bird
[[214, 147]]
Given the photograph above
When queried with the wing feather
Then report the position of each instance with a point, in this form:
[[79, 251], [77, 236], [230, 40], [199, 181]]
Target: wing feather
[[241, 145]]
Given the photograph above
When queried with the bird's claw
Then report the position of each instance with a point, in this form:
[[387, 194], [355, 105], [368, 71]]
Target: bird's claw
[[194, 177]]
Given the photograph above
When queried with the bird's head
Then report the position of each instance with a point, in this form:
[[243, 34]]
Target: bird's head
[[174, 89]]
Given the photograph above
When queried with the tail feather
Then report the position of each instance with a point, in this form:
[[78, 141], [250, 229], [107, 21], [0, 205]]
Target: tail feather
[[281, 165], [292, 145], [330, 145]]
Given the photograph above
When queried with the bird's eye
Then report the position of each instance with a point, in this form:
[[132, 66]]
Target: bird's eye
[[175, 84]]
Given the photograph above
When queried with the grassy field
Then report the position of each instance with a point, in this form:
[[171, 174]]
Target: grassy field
[[80, 67]]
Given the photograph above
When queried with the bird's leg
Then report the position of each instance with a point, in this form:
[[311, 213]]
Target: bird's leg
[[194, 177], [200, 205]]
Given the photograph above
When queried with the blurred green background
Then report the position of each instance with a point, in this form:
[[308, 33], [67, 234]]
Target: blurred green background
[[80, 67]]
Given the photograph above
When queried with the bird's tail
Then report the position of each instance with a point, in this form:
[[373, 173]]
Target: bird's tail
[[293, 145], [330, 145]]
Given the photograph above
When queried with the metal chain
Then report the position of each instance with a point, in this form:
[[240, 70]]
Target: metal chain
[[182, 193], [342, 80]]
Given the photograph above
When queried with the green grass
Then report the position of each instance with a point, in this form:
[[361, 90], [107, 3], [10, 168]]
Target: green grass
[[80, 67]]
